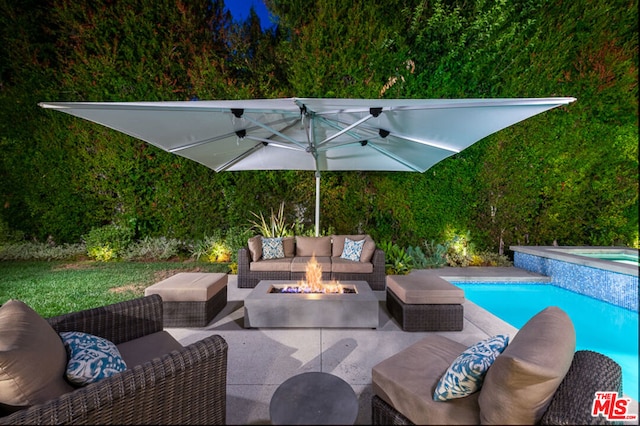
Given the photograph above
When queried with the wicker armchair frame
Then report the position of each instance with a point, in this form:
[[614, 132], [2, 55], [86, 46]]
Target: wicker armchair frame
[[571, 404], [182, 387]]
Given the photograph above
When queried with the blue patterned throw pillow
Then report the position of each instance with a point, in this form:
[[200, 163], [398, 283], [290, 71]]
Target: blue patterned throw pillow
[[352, 249], [466, 374], [91, 358], [272, 248]]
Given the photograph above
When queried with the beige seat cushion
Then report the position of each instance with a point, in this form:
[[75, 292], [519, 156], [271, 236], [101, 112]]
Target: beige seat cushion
[[349, 266], [138, 351], [272, 265], [521, 382], [407, 381], [33, 359], [415, 289], [299, 263], [308, 246], [189, 287]]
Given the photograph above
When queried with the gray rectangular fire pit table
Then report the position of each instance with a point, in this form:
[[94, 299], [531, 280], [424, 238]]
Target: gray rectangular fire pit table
[[316, 310]]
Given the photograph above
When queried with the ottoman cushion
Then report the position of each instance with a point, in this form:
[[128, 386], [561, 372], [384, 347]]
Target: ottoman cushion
[[189, 287], [414, 289]]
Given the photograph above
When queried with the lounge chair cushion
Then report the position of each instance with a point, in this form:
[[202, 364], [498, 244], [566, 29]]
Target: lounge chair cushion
[[308, 246], [521, 382], [32, 358], [407, 381], [143, 349]]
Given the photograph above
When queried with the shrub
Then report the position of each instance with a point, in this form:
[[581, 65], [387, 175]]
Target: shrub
[[150, 248], [108, 242], [212, 249], [236, 238], [397, 261], [487, 258], [41, 251], [277, 226], [435, 254]]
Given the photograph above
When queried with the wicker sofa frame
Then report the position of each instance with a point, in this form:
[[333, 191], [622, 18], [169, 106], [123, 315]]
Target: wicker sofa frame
[[250, 279], [181, 387], [571, 404]]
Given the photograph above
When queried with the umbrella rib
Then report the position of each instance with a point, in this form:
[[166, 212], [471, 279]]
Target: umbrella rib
[[274, 131], [245, 154], [394, 157], [344, 130], [273, 143], [428, 143]]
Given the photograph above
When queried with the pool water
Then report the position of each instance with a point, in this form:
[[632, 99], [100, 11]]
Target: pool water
[[600, 326], [614, 257]]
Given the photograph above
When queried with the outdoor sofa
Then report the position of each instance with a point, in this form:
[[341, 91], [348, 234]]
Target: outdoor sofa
[[254, 265], [536, 379], [164, 382]]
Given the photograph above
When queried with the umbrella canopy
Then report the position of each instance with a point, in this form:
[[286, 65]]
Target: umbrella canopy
[[409, 135]]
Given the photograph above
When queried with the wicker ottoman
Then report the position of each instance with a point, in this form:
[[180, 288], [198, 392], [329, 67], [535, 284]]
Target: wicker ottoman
[[191, 299], [421, 302]]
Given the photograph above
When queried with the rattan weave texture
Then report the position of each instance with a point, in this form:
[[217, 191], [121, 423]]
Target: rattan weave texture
[[194, 314], [425, 317]]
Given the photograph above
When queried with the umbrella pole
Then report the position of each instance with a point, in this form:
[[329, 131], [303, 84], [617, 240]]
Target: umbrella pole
[[317, 203]]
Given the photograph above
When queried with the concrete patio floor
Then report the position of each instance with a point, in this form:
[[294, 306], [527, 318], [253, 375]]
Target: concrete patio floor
[[259, 360]]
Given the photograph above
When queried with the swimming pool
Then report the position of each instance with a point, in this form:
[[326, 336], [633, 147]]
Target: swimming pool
[[600, 326]]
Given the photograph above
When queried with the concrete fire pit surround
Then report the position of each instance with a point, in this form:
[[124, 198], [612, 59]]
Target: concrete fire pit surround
[[263, 309]]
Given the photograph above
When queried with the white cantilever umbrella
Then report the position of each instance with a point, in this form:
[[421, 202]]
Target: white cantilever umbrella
[[317, 134]]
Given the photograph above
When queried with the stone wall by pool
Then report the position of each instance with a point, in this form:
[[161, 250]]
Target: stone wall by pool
[[610, 281]]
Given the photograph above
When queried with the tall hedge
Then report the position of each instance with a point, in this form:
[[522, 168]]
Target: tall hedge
[[568, 175]]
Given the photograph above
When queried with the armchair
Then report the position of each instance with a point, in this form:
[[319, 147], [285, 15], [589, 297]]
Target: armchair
[[182, 386]]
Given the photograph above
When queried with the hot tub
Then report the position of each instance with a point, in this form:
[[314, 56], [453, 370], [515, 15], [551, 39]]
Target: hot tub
[[586, 270]]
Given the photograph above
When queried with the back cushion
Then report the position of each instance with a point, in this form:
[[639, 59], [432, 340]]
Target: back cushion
[[33, 359], [308, 246], [521, 382], [255, 247], [368, 249], [289, 244]]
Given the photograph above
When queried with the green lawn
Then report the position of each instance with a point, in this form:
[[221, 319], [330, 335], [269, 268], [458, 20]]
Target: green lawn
[[58, 287]]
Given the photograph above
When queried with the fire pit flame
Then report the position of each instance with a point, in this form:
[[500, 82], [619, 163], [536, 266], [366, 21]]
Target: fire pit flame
[[313, 282]]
